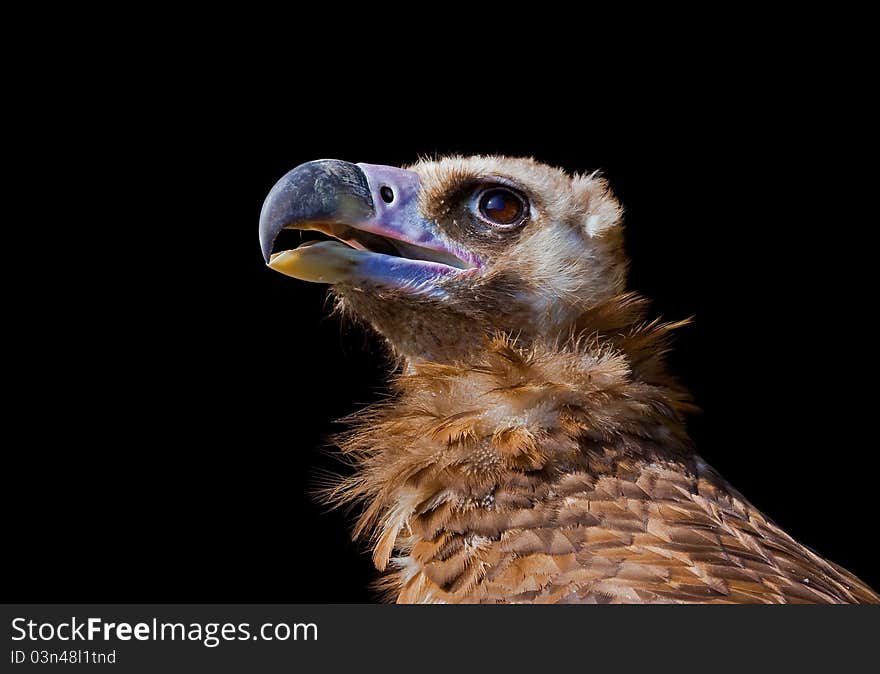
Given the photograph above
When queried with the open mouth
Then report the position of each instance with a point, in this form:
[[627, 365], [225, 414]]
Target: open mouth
[[370, 232], [295, 237]]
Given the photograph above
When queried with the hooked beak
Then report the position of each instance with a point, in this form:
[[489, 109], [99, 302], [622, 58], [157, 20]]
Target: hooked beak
[[371, 212]]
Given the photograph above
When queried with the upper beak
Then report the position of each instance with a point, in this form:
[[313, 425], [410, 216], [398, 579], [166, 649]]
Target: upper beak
[[326, 190], [373, 211]]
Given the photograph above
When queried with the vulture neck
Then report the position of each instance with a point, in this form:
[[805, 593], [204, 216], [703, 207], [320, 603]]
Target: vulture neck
[[459, 445]]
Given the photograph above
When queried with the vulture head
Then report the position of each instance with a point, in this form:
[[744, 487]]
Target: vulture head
[[439, 255]]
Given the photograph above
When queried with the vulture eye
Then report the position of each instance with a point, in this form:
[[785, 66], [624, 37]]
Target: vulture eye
[[501, 206]]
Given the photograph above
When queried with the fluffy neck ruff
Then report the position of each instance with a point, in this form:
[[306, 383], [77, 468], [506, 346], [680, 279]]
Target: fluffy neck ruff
[[454, 435]]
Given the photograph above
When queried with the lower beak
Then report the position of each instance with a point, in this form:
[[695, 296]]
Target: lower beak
[[371, 212]]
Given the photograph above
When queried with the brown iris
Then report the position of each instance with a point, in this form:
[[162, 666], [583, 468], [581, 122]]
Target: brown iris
[[501, 206]]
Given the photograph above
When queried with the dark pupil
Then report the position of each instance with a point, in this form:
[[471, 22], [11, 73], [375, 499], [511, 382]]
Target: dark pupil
[[501, 206]]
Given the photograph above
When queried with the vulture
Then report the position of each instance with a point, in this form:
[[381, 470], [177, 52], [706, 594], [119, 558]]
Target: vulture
[[533, 448]]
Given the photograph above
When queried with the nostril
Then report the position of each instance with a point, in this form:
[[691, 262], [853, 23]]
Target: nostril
[[387, 194]]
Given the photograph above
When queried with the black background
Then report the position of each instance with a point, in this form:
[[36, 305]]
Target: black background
[[177, 397]]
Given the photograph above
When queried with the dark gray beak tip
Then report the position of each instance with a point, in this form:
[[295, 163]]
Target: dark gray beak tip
[[325, 190]]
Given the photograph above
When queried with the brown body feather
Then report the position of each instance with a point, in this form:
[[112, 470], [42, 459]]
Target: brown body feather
[[561, 471]]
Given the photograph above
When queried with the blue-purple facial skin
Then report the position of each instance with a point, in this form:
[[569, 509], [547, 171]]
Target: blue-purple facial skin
[[400, 219], [418, 276]]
